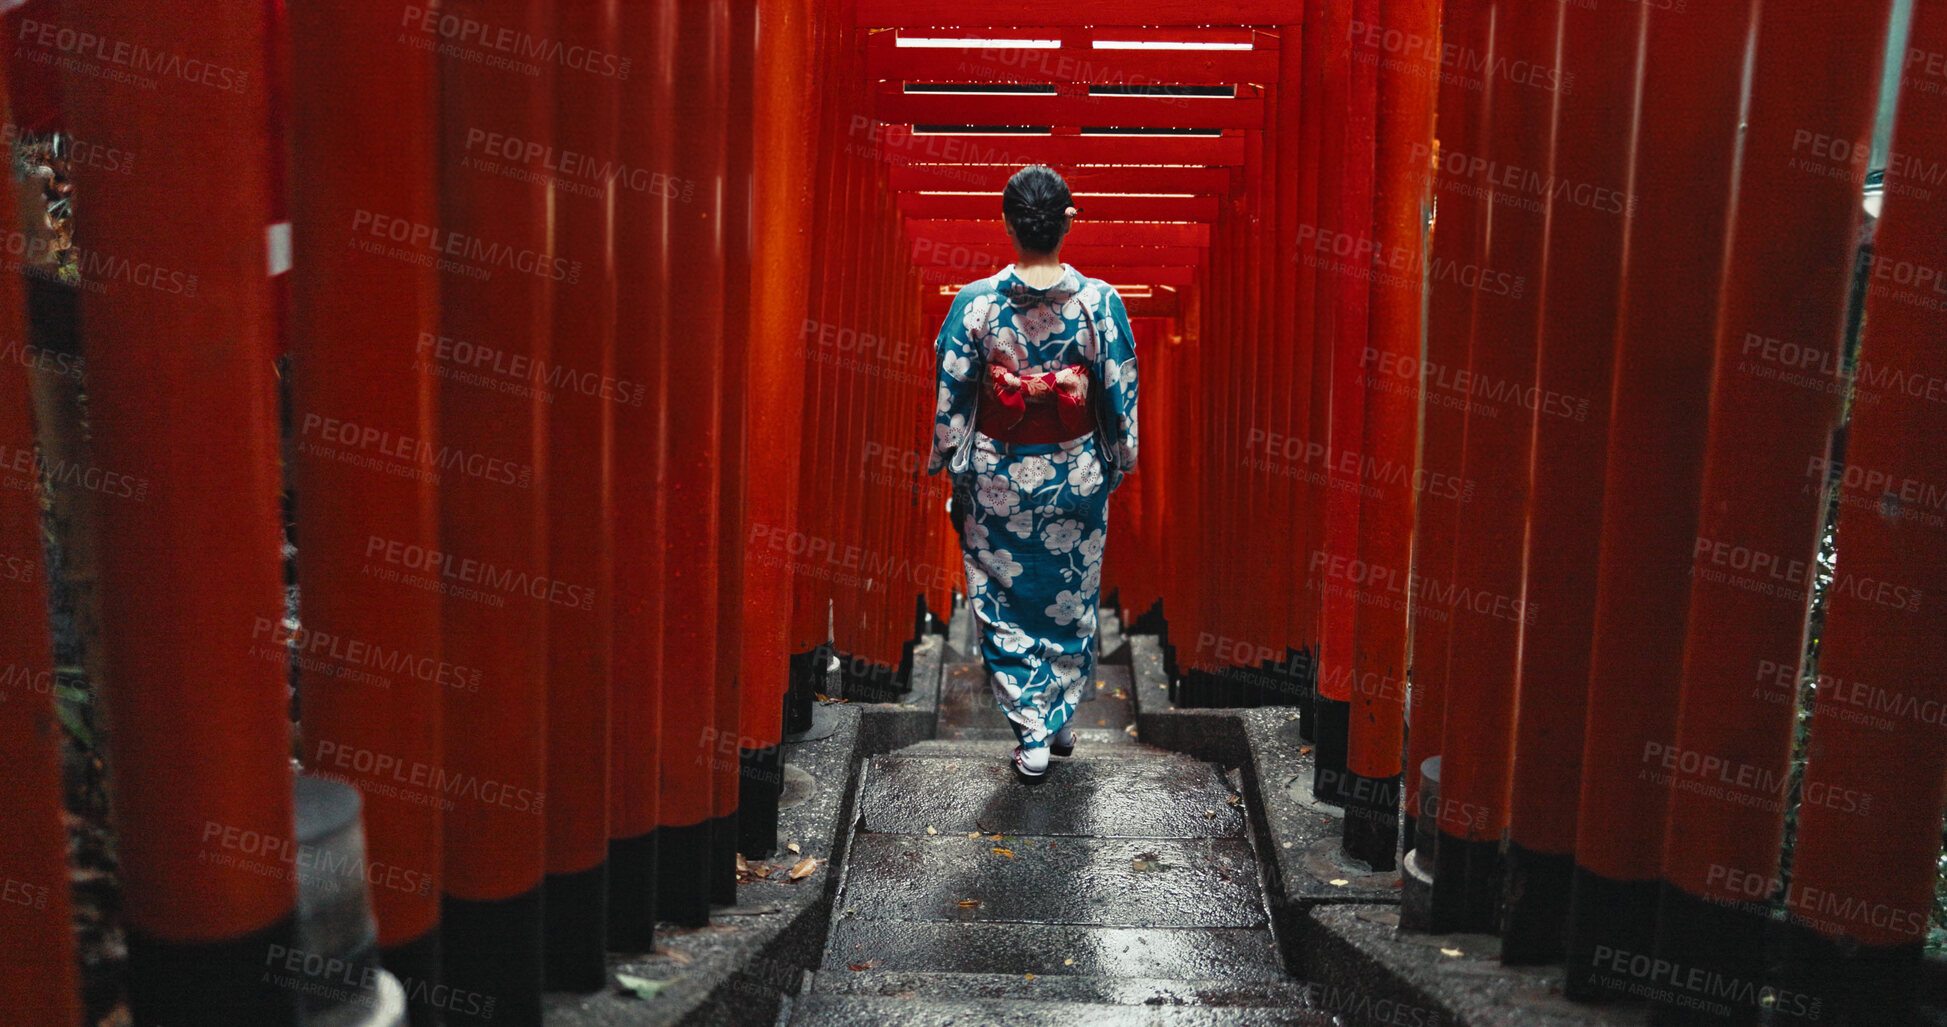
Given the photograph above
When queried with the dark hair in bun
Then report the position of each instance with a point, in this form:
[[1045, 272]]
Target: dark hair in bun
[[1036, 203]]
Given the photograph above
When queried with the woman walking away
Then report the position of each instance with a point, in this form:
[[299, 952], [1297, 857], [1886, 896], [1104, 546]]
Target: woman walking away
[[1036, 426]]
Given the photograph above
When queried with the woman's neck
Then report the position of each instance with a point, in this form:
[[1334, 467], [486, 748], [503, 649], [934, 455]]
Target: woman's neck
[[1039, 269]]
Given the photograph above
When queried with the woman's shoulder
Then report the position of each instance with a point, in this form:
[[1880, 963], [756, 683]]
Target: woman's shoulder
[[1097, 290]]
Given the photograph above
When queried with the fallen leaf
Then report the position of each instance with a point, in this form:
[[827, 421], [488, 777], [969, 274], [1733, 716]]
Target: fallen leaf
[[1304, 750], [804, 868], [1450, 952], [742, 867], [793, 848], [969, 903], [929, 829], [1070, 961], [1030, 977], [973, 834], [998, 837], [1209, 814], [867, 965], [1099, 723], [1234, 800], [641, 987], [1009, 853], [1340, 882]]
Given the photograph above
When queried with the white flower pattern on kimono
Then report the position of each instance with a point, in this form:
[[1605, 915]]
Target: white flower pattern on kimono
[[1021, 524], [1006, 349], [1031, 472], [1039, 322], [1014, 640], [1086, 474], [1091, 547], [1067, 608], [996, 495], [947, 434], [1000, 564], [1061, 536], [958, 366], [980, 316]]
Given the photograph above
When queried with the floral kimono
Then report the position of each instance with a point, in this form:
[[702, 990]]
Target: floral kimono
[[1034, 517]]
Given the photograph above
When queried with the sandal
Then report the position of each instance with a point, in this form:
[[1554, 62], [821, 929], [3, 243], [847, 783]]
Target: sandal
[[1063, 744], [1021, 767]]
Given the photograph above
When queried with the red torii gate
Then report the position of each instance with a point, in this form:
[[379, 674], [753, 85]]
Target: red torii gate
[[698, 511]]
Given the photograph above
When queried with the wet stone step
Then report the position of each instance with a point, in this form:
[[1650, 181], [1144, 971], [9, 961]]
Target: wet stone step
[[1085, 737], [1103, 798], [1089, 745], [848, 1011], [1127, 882], [967, 708], [1121, 991], [1188, 953], [966, 702]]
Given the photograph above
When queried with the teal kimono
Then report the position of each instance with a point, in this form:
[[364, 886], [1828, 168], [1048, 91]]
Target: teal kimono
[[1034, 518]]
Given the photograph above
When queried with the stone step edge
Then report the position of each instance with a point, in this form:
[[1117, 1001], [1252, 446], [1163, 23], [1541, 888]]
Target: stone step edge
[[1257, 992]]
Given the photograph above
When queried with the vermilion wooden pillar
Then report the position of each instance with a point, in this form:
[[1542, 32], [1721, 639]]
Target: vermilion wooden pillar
[[1789, 275], [1283, 406], [737, 227], [1300, 71], [1345, 591], [580, 504], [366, 355], [779, 278], [693, 410], [1683, 150], [36, 933], [179, 337], [1389, 496], [644, 262], [1328, 68], [1864, 867], [492, 564], [1457, 242], [1488, 605], [1565, 506]]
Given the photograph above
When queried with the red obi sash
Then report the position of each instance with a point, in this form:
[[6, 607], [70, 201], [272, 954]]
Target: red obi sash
[[1036, 408]]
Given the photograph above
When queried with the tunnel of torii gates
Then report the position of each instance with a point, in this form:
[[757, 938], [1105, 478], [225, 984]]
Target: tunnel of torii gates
[[1517, 345]]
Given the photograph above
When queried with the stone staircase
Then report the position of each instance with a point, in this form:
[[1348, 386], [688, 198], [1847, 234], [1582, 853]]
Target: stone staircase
[[1122, 889]]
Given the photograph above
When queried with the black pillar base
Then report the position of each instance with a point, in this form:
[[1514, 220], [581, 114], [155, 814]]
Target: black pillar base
[[416, 964], [801, 695], [1538, 887], [254, 979], [762, 782], [632, 894], [576, 910], [1372, 820], [866, 681], [1726, 943], [683, 874], [1330, 780], [723, 860], [1303, 670], [1467, 886], [1842, 984], [1609, 923], [492, 964]]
